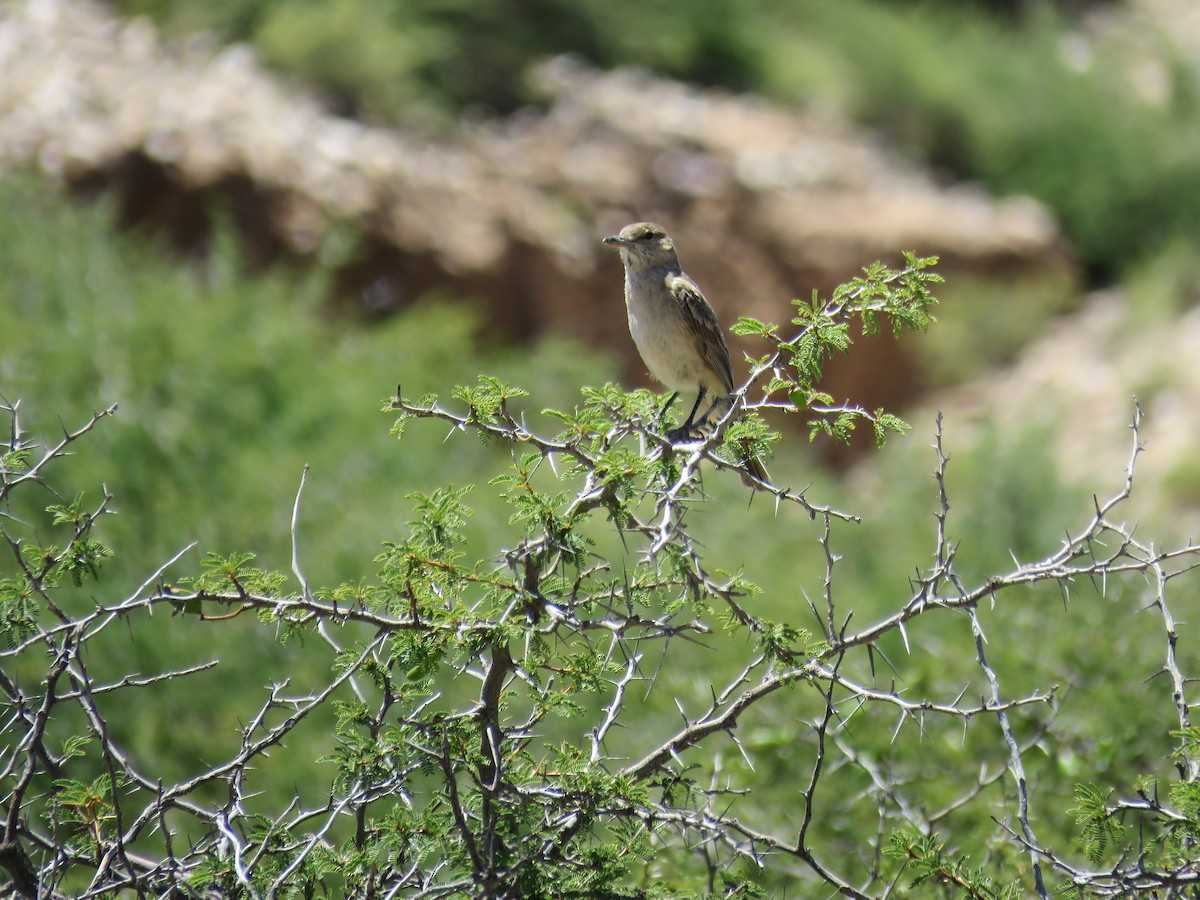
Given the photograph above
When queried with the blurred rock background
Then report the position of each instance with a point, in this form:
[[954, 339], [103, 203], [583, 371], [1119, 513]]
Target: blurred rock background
[[766, 203], [497, 186]]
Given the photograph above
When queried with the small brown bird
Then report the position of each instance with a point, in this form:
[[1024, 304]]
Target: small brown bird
[[675, 328]]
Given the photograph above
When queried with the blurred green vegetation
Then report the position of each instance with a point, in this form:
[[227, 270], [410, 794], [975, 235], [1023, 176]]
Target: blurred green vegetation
[[984, 322], [438, 57], [228, 385], [1028, 106], [1012, 95]]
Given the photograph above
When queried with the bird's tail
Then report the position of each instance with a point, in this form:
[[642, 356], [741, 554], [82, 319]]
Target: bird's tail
[[761, 479], [756, 475]]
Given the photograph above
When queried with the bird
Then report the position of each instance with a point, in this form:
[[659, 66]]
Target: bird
[[675, 330]]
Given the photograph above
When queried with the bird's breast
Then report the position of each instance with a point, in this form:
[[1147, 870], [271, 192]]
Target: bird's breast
[[661, 335]]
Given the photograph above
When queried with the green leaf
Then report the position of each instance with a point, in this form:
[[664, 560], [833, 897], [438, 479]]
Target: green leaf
[[15, 461], [1099, 829], [886, 423], [747, 326]]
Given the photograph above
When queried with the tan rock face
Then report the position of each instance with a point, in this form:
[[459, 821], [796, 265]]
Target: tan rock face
[[1079, 383], [765, 203]]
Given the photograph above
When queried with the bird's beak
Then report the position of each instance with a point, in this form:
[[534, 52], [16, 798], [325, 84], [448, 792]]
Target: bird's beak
[[613, 240]]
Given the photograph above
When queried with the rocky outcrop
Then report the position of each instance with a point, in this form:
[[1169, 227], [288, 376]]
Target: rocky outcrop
[[1078, 384], [766, 203]]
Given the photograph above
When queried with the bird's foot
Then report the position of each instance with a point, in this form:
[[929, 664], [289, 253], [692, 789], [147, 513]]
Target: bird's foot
[[683, 434]]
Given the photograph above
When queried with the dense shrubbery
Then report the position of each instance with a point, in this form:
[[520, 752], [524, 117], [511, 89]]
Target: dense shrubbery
[[227, 387], [441, 56], [1016, 108], [560, 577]]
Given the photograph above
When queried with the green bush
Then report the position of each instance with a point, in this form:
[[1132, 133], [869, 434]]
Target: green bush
[[1002, 103], [598, 672]]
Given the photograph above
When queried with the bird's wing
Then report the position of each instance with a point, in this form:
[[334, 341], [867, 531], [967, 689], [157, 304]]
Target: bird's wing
[[705, 331]]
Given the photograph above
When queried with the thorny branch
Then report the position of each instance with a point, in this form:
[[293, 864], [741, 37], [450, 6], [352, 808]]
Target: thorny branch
[[542, 624]]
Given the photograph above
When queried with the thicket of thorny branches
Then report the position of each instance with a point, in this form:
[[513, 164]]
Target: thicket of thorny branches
[[480, 703]]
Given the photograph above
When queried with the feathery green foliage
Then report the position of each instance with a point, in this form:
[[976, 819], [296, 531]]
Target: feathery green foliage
[[587, 675]]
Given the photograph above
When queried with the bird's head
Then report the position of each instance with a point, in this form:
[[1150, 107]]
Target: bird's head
[[644, 242]]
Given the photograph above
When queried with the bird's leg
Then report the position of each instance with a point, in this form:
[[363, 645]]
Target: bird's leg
[[728, 401], [691, 419], [662, 413], [684, 431]]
